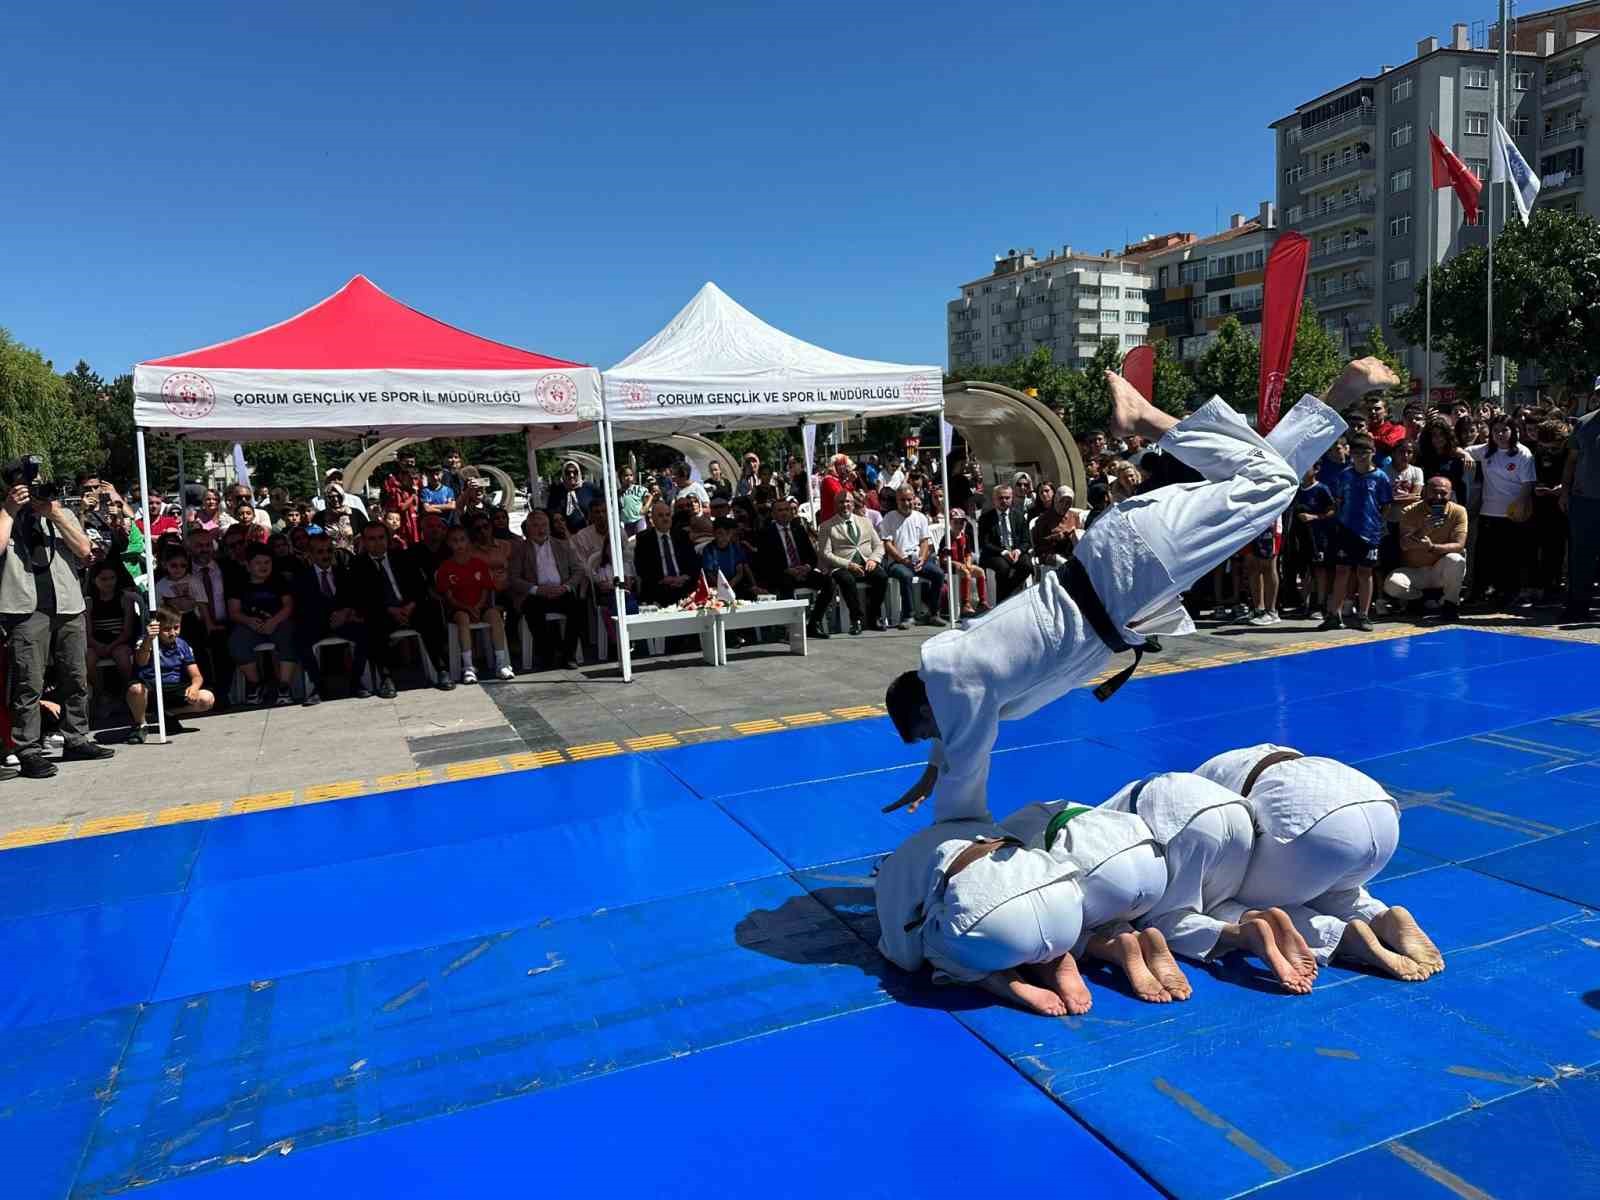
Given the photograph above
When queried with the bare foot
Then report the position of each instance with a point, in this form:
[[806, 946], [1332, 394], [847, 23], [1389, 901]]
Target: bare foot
[[1123, 950], [1360, 377], [1398, 930], [1070, 986], [1128, 407], [1259, 938], [1290, 943], [1010, 986], [1360, 944], [1160, 961]]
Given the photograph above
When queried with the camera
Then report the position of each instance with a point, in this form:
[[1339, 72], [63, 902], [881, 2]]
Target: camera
[[26, 470]]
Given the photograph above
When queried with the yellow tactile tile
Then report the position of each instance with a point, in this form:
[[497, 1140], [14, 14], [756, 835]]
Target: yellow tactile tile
[[657, 741], [333, 791], [201, 811], [117, 824], [476, 768], [535, 758], [403, 779], [262, 802], [762, 726], [35, 836], [810, 718], [593, 750]]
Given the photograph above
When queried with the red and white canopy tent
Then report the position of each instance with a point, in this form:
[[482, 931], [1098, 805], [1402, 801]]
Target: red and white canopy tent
[[359, 362]]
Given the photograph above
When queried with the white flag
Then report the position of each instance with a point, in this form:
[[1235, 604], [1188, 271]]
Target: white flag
[[241, 469], [724, 589], [1508, 166]]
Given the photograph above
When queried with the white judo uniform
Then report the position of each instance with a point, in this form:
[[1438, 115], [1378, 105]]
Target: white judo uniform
[[1206, 833], [1323, 830], [1140, 557], [1121, 873]]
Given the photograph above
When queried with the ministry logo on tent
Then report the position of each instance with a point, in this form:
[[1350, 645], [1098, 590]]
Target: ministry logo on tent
[[188, 395], [557, 394], [637, 396]]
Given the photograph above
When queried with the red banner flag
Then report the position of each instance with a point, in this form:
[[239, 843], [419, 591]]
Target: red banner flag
[[1282, 293], [1139, 369], [1450, 172]]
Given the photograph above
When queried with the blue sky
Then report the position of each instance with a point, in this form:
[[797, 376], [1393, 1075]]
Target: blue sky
[[564, 180]]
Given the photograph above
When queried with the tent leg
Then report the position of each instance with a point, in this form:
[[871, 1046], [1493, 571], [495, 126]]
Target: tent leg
[[150, 584], [183, 502], [949, 523], [316, 471], [533, 465], [608, 468]]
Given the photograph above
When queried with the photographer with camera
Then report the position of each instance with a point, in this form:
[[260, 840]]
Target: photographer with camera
[[41, 613]]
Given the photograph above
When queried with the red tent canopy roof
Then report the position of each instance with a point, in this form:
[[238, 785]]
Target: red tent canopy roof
[[362, 327]]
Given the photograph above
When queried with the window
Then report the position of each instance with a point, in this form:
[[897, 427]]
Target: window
[[1133, 339], [1400, 181], [995, 331], [1111, 293], [1161, 277], [1475, 77], [1400, 91], [1400, 226], [1400, 269], [1521, 81], [1476, 123], [1292, 175], [1400, 136], [1038, 322], [1257, 257], [1294, 214], [995, 354], [1396, 311], [1479, 167], [994, 307], [986, 289], [1483, 215], [1192, 272], [1520, 126]]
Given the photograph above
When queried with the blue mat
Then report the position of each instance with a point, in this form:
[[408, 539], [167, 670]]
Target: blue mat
[[462, 988]]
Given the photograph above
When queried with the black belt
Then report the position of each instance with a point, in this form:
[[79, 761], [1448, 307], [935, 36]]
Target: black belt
[[1267, 760], [1076, 582]]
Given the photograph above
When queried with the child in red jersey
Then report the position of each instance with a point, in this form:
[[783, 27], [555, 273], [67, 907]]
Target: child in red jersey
[[466, 583]]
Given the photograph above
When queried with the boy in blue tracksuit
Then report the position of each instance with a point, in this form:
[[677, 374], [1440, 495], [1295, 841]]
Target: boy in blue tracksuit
[[1363, 494]]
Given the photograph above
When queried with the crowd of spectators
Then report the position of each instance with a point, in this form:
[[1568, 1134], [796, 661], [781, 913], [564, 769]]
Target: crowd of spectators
[[261, 595]]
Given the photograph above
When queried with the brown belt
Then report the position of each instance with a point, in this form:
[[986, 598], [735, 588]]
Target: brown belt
[[1268, 760], [973, 853]]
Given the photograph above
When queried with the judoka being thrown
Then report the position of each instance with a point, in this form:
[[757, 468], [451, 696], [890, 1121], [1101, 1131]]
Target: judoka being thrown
[[1122, 586]]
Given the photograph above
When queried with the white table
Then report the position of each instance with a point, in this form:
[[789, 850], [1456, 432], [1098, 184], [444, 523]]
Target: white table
[[675, 622], [752, 614]]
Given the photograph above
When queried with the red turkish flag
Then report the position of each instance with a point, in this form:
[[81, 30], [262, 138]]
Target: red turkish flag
[[1450, 172], [702, 593]]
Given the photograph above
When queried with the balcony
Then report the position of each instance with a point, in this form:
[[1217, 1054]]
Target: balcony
[[1348, 210], [1565, 88], [1563, 133], [1356, 164], [1316, 134], [1560, 181], [1346, 252], [1343, 297]]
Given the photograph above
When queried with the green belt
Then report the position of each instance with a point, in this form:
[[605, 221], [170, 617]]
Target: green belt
[[1059, 822]]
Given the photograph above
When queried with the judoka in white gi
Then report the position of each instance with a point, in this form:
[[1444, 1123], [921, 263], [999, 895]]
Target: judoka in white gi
[[1124, 579], [963, 895], [1123, 877], [1324, 830]]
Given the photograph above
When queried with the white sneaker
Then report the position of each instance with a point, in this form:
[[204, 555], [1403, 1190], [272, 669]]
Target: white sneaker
[[1262, 619], [469, 676], [507, 673]]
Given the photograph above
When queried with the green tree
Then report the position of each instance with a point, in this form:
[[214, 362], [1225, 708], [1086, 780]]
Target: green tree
[[37, 415], [1317, 359], [1230, 366], [1546, 302], [1088, 396], [1174, 386]]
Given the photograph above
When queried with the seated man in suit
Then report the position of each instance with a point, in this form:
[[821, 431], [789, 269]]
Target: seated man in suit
[[1004, 545], [853, 552], [669, 568], [396, 596], [544, 577], [325, 606], [787, 560]]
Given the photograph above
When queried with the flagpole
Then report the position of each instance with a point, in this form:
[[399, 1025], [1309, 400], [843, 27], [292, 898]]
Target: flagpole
[[1488, 335], [1433, 227], [1503, 118]]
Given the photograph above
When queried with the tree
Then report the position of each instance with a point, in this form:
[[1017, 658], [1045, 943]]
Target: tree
[[1317, 359], [1230, 366], [1052, 381], [1174, 386], [1546, 302], [1088, 395], [1374, 346], [37, 414]]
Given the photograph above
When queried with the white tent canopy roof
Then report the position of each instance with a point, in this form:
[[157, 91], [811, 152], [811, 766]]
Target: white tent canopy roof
[[716, 365]]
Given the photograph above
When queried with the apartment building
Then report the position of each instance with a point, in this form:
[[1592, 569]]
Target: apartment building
[[1069, 301], [1198, 282]]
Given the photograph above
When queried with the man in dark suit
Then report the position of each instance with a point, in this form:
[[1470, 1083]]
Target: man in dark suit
[[544, 578], [396, 596], [786, 559], [665, 560], [1003, 545], [570, 497], [325, 606]]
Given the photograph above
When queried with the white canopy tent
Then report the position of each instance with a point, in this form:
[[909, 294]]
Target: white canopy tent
[[358, 362], [718, 366]]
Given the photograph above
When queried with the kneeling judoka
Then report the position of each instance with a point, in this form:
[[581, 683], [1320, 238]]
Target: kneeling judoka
[[1121, 586], [1325, 830], [1202, 835]]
